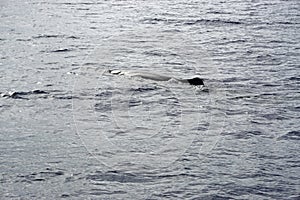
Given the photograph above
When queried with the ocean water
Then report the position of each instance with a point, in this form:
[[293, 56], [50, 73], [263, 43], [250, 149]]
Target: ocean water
[[69, 130]]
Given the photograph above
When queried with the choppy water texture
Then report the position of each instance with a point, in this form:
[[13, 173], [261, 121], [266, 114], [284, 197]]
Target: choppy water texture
[[70, 130]]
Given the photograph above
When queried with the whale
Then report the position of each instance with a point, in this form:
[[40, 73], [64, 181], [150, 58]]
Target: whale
[[157, 77]]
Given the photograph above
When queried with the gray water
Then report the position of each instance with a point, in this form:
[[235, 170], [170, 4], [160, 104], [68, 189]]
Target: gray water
[[69, 130]]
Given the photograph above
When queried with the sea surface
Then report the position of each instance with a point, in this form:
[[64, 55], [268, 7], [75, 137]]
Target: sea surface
[[70, 130]]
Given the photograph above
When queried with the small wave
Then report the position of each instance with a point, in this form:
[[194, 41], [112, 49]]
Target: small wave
[[294, 78], [60, 50], [292, 135], [235, 79], [153, 53], [287, 22], [174, 63], [271, 84], [55, 94], [78, 3], [102, 107], [274, 116], [21, 94], [244, 97], [159, 53], [54, 36], [23, 39], [211, 21], [246, 134], [47, 36], [72, 37], [219, 12], [104, 94], [153, 20], [134, 102], [115, 176], [144, 89], [66, 97], [189, 21], [232, 42], [39, 176]]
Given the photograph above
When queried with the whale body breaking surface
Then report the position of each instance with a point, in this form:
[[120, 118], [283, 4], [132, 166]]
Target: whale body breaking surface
[[157, 77]]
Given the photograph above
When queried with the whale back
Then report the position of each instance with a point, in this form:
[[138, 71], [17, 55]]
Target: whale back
[[149, 75], [156, 77]]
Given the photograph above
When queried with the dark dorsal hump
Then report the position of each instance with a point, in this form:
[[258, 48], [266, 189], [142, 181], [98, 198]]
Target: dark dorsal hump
[[195, 81]]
